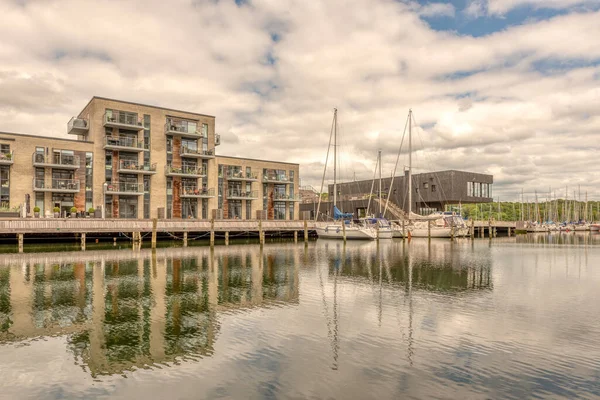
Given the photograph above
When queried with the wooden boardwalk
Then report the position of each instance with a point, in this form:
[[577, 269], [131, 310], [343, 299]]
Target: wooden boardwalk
[[90, 225]]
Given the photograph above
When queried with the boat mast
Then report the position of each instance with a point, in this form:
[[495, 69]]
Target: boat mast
[[409, 162], [334, 156], [379, 161]]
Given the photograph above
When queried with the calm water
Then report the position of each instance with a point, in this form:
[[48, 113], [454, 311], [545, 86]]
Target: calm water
[[511, 318]]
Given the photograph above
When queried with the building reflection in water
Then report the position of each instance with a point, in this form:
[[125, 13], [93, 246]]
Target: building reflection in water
[[124, 310]]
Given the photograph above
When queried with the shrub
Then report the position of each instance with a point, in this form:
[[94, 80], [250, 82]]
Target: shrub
[[56, 209], [73, 209], [91, 210], [36, 209]]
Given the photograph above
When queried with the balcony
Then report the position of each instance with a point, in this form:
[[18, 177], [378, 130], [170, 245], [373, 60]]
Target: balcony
[[183, 129], [56, 186], [185, 171], [133, 167], [123, 143], [124, 188], [285, 197], [237, 194], [217, 139], [56, 161], [186, 151], [273, 178], [123, 120], [7, 158], [78, 126], [241, 176], [192, 192]]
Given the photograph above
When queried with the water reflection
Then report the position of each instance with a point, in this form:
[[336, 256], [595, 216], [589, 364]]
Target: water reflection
[[124, 310]]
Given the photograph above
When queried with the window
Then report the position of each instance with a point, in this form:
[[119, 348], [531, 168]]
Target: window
[[205, 130], [279, 210], [169, 144], [433, 188], [146, 196], [5, 186], [235, 209], [291, 209], [248, 209], [89, 182], [291, 176], [425, 185], [39, 201], [4, 148]]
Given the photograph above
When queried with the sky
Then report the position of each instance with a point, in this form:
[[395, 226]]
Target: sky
[[504, 87]]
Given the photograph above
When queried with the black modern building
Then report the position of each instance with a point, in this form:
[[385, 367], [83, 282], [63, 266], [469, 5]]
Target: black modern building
[[431, 191]]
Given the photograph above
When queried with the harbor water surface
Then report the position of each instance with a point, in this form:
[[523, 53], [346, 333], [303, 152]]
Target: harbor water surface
[[504, 318]]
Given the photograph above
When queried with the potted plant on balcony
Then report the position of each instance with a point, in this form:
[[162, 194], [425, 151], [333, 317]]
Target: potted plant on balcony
[[36, 212], [91, 212], [56, 212], [73, 212]]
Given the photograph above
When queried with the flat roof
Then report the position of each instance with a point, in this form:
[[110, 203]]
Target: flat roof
[[43, 137], [143, 105], [256, 159]]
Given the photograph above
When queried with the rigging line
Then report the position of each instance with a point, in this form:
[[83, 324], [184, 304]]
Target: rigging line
[[395, 167], [372, 186], [325, 170], [443, 193]]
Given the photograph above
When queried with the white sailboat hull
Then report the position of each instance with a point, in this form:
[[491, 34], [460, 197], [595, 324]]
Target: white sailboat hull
[[438, 232], [352, 233]]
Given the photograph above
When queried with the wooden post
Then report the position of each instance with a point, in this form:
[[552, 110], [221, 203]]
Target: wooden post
[[472, 230], [154, 224], [305, 231], [377, 231], [20, 238], [452, 231], [429, 229], [295, 236], [403, 229], [185, 235], [490, 228], [83, 241], [227, 238], [212, 232], [114, 241], [509, 231], [344, 230], [261, 237]]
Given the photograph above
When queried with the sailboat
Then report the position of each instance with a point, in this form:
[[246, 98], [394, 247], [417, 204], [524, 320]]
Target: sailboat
[[380, 224], [342, 226], [439, 224]]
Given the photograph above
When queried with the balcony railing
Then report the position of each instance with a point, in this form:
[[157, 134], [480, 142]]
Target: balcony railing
[[7, 158], [55, 161], [241, 176], [195, 192], [77, 126], [194, 152], [217, 139], [123, 143], [183, 129], [133, 167], [242, 194], [191, 171], [124, 188], [285, 197], [276, 178], [119, 119], [56, 185]]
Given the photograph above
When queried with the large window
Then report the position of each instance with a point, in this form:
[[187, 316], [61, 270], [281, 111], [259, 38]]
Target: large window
[[248, 209], [128, 206], [146, 196], [39, 201], [89, 181], [291, 208], [235, 209], [279, 208], [5, 186], [189, 208]]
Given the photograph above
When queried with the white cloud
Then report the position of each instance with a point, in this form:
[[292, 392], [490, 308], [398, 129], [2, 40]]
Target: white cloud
[[437, 10], [274, 98]]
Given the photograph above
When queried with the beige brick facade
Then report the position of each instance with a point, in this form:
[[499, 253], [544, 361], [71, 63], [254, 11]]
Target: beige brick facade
[[179, 162]]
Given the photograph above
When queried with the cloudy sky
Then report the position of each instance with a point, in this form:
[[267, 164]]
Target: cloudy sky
[[506, 87]]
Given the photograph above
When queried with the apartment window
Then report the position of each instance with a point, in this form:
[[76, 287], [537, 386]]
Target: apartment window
[[189, 208], [39, 201], [205, 130], [169, 196], [425, 185], [265, 196], [89, 181], [5, 186], [279, 209], [248, 209], [433, 188], [248, 172], [235, 209], [146, 196], [108, 200], [204, 208], [291, 176], [4, 148], [291, 210]]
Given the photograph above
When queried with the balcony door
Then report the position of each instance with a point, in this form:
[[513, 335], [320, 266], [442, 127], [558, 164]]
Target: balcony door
[[128, 206]]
